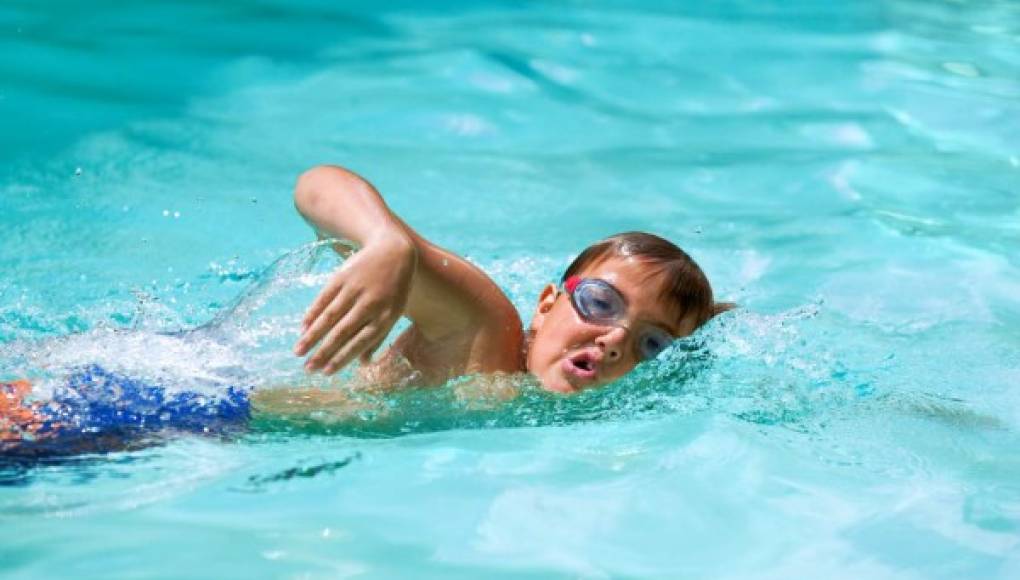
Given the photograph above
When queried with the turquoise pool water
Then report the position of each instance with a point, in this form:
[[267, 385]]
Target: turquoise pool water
[[849, 173]]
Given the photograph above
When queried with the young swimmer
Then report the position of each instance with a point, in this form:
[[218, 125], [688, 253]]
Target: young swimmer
[[622, 301]]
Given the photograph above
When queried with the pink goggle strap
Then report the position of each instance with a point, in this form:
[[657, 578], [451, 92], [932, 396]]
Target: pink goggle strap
[[570, 283]]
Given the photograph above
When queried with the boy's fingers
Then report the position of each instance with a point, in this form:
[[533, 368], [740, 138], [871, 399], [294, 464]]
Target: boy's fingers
[[326, 295], [320, 303], [338, 335], [384, 331], [327, 320], [354, 346], [328, 346]]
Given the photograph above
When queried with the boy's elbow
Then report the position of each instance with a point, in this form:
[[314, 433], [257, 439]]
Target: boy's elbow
[[309, 187]]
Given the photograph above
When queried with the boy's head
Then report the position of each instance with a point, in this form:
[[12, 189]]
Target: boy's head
[[621, 301]]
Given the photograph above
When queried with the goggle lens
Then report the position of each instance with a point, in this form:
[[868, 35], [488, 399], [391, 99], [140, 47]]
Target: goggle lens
[[597, 301], [652, 342]]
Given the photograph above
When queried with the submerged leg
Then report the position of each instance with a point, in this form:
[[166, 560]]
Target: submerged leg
[[99, 411]]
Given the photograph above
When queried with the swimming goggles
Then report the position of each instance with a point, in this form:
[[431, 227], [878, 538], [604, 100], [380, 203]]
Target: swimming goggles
[[599, 302]]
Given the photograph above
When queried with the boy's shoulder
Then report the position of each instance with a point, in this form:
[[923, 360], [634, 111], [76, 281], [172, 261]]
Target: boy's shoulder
[[462, 319]]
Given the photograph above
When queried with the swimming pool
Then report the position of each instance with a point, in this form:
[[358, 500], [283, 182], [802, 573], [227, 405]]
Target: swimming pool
[[848, 174]]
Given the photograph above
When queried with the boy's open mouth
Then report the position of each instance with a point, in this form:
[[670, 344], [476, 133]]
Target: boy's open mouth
[[583, 365]]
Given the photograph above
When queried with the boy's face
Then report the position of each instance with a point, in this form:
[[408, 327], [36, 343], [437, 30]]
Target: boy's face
[[569, 353]]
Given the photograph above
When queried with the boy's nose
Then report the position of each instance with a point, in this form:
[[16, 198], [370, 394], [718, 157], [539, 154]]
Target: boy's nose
[[612, 342]]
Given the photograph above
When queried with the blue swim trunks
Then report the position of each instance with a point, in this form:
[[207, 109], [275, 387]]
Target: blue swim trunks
[[99, 410]]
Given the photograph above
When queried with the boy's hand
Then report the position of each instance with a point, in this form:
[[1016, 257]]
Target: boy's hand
[[354, 313]]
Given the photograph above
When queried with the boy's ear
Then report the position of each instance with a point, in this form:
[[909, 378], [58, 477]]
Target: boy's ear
[[545, 303], [720, 307]]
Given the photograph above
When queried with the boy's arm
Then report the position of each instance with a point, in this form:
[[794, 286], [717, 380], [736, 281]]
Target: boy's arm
[[397, 272]]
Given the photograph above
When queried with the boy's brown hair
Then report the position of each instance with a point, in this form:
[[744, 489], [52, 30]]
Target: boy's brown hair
[[685, 287]]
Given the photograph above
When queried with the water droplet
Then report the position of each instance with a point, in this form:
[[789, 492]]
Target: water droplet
[[77, 171]]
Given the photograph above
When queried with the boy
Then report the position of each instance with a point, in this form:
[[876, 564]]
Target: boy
[[622, 301]]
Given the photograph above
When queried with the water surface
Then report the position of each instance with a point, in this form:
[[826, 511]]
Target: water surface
[[847, 173]]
